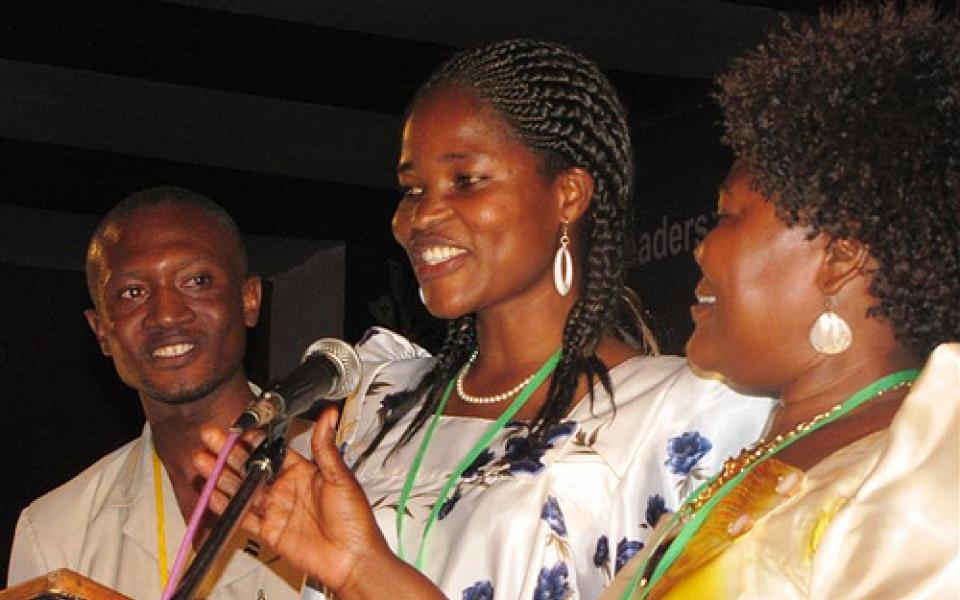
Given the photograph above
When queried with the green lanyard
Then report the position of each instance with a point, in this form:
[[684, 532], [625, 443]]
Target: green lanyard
[[538, 378], [691, 527]]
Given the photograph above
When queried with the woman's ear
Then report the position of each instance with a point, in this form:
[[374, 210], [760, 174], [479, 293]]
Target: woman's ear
[[844, 259], [573, 189]]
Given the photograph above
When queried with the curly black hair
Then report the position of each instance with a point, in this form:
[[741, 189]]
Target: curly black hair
[[562, 107], [852, 127]]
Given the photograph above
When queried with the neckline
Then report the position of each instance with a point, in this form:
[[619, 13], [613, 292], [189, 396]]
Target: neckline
[[575, 407], [695, 510], [542, 374]]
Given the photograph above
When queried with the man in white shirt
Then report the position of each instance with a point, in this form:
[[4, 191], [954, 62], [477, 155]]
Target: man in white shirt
[[172, 296]]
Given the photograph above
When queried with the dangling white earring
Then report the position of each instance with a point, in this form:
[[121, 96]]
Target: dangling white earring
[[830, 334], [563, 264]]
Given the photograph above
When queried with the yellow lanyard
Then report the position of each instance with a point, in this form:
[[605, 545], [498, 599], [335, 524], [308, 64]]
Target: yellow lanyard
[[161, 528]]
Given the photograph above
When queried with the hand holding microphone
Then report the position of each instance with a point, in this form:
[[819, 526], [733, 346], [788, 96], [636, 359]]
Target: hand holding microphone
[[315, 513], [330, 370]]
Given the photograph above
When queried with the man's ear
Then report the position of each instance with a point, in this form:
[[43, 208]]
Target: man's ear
[[574, 191], [93, 320], [843, 260], [252, 296]]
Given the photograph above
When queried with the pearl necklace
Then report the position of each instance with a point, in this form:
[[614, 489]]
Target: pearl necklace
[[486, 399]]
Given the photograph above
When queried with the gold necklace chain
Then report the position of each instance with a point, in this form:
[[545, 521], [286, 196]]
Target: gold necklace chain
[[762, 449], [673, 540]]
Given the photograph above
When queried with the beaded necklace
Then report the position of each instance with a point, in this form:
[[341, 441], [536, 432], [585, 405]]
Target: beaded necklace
[[698, 506], [486, 399]]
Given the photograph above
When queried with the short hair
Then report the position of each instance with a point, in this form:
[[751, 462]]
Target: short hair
[[853, 129], [158, 196]]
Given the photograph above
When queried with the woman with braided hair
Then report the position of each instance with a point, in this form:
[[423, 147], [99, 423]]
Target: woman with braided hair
[[529, 458]]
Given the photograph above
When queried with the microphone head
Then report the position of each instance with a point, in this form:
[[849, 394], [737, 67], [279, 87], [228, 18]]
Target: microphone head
[[345, 360]]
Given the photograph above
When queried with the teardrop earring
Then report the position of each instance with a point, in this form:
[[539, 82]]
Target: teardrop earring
[[563, 263], [830, 334]]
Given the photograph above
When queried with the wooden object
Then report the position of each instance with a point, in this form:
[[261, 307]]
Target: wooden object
[[62, 584]]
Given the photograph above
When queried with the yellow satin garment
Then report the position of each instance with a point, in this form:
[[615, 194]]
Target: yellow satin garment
[[877, 520]]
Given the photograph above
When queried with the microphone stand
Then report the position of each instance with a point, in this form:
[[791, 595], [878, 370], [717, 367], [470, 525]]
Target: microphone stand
[[263, 464]]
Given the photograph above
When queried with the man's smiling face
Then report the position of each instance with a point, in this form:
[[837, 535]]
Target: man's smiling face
[[172, 305]]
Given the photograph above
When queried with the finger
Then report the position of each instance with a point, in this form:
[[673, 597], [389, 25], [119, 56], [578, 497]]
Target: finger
[[203, 461], [251, 522], [251, 439], [325, 453], [218, 501], [228, 481], [214, 439]]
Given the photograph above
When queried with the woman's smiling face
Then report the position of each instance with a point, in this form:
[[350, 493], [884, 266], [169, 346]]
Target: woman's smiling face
[[478, 217], [757, 297]]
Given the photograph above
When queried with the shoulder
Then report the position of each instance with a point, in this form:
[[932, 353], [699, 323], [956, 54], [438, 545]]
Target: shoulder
[[939, 379], [70, 506], [661, 410], [658, 384], [391, 365], [922, 441], [910, 498], [379, 345]]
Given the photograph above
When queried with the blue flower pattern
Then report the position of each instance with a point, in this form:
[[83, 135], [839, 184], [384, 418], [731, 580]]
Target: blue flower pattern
[[656, 508], [391, 401], [553, 583], [685, 451], [552, 514], [626, 549], [449, 504], [481, 590], [602, 554], [478, 463], [522, 456]]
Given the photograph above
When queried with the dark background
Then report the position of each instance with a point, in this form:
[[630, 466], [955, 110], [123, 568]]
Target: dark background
[[287, 112]]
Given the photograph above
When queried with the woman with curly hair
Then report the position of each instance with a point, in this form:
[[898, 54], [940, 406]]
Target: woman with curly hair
[[531, 456], [832, 275]]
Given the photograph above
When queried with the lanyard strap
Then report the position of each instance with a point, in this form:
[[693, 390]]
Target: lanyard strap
[[538, 378], [161, 527], [691, 527]]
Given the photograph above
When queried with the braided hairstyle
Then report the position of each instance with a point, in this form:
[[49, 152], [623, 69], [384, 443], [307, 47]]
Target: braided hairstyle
[[563, 108], [853, 129]]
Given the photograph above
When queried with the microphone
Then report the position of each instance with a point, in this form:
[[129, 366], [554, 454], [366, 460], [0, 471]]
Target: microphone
[[329, 370]]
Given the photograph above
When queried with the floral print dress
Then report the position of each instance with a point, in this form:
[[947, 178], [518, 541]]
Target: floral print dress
[[552, 523]]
